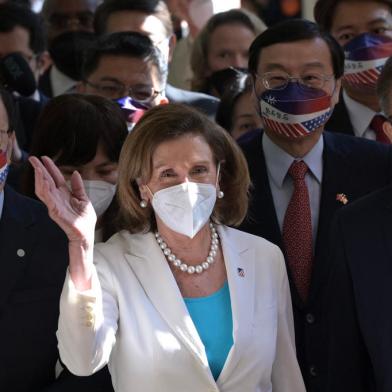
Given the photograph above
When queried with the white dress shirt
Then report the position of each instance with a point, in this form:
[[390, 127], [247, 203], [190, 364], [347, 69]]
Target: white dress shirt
[[360, 117], [278, 163], [134, 318], [60, 83]]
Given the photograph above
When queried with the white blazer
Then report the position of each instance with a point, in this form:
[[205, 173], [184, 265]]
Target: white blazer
[[134, 319]]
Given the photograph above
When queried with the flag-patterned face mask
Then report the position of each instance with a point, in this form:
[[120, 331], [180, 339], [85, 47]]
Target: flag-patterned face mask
[[296, 110], [3, 166], [365, 56], [133, 110]]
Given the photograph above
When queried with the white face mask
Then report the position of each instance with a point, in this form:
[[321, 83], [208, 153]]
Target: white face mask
[[100, 193], [185, 208]]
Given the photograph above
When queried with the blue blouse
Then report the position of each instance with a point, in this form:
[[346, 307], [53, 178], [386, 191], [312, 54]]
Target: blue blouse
[[212, 317]]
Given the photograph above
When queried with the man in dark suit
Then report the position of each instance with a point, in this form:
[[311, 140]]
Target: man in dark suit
[[302, 175], [358, 24], [359, 296], [359, 288], [151, 18], [33, 262]]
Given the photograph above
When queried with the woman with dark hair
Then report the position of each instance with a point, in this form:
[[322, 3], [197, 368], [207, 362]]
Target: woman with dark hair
[[83, 133], [237, 110]]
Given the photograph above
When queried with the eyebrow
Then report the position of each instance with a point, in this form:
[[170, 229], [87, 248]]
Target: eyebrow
[[162, 164], [281, 67], [374, 21]]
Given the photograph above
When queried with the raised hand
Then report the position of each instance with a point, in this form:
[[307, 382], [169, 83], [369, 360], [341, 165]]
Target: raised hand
[[70, 209]]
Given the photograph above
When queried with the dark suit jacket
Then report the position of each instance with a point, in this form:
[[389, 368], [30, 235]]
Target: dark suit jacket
[[360, 297], [205, 103], [33, 261], [353, 166], [340, 120]]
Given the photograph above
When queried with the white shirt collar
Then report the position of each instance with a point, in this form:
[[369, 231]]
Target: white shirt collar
[[279, 161], [60, 83], [360, 115]]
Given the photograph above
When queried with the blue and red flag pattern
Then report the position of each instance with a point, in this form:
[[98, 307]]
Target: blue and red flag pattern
[[365, 57], [296, 110]]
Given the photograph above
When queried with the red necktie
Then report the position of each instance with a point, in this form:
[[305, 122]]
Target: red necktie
[[297, 231], [377, 126]]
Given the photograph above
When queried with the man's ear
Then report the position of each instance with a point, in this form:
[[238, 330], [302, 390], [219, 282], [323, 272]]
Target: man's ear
[[172, 45], [336, 93], [44, 61], [387, 128], [81, 88]]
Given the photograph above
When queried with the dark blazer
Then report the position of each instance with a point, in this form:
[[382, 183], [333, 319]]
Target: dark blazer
[[33, 262], [205, 103], [360, 297], [353, 166], [340, 120]]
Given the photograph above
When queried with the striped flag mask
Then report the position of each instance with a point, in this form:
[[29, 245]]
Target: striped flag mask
[[132, 110], [365, 56], [3, 166], [296, 110]]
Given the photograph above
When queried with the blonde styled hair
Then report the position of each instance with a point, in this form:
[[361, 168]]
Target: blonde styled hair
[[168, 122], [200, 48]]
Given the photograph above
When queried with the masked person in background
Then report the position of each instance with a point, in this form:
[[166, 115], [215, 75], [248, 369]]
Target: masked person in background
[[221, 49], [83, 133], [364, 30], [300, 174], [194, 14], [127, 68], [70, 32]]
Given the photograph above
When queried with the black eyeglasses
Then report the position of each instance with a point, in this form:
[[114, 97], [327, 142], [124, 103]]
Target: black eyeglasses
[[115, 90], [279, 80]]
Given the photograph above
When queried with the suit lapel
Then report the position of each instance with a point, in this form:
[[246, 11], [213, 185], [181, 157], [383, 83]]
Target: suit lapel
[[240, 269], [15, 242], [387, 227], [336, 180], [160, 286], [261, 219]]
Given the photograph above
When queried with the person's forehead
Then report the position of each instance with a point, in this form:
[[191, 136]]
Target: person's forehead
[[182, 150], [358, 13], [125, 68], [16, 40], [299, 53], [71, 6], [136, 21]]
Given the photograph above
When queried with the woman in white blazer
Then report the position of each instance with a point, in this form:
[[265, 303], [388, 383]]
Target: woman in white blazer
[[177, 301]]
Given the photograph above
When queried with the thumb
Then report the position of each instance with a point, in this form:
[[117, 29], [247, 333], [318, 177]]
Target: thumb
[[77, 187]]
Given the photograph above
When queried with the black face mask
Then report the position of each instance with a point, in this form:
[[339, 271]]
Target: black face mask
[[67, 51], [16, 75], [223, 79]]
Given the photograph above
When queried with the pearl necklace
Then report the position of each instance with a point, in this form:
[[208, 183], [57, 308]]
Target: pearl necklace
[[184, 267]]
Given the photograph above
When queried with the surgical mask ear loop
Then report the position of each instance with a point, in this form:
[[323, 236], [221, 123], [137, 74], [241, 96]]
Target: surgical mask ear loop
[[220, 194]]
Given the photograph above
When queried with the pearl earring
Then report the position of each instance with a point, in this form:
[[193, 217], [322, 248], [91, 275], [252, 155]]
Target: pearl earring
[[143, 203], [220, 195]]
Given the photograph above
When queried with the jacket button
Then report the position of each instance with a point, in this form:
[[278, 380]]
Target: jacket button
[[310, 319], [313, 371]]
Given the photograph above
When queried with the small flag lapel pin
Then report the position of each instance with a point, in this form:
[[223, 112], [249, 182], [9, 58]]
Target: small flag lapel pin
[[241, 272], [342, 198]]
